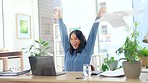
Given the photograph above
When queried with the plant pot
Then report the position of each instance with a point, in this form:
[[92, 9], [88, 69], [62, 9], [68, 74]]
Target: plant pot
[[132, 70], [113, 65]]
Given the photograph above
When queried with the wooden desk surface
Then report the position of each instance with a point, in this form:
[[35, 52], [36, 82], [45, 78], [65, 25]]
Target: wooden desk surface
[[70, 77], [66, 78]]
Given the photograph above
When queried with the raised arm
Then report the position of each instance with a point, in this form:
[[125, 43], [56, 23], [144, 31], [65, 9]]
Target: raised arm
[[63, 30], [93, 32]]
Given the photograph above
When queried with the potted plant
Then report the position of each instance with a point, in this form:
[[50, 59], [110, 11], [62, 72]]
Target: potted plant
[[131, 50], [145, 57], [38, 53], [109, 64], [40, 48]]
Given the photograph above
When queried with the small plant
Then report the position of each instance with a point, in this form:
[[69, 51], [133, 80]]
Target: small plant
[[145, 52], [109, 60], [109, 63], [38, 49]]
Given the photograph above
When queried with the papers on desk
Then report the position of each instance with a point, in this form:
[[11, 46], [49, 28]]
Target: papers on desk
[[118, 73], [115, 73], [144, 71], [14, 73]]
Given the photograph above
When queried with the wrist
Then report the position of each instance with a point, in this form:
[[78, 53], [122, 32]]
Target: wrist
[[59, 18], [99, 16]]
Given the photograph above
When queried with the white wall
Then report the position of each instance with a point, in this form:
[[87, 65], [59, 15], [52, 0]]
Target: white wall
[[79, 13], [119, 5], [11, 8], [1, 26]]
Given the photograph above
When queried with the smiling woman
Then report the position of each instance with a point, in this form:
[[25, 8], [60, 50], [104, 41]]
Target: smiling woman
[[77, 51], [77, 40]]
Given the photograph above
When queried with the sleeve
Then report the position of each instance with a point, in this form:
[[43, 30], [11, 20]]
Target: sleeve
[[92, 37], [64, 35]]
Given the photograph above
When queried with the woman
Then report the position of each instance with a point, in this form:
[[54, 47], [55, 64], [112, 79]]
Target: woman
[[77, 50]]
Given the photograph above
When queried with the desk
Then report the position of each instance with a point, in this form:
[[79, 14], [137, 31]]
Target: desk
[[70, 78], [11, 54], [66, 78]]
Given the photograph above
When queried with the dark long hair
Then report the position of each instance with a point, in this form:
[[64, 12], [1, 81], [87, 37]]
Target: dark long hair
[[82, 39]]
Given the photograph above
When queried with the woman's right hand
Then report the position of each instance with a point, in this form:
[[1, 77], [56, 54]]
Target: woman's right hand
[[101, 11], [57, 14]]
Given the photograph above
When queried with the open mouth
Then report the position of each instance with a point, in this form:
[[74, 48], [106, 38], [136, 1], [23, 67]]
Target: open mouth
[[74, 45]]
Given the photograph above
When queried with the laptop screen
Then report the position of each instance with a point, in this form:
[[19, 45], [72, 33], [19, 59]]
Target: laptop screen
[[42, 66]]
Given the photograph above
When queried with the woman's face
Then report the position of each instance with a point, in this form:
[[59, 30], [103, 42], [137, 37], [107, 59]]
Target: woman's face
[[75, 42]]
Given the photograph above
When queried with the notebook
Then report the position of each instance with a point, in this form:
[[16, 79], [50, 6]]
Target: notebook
[[14, 73], [44, 67]]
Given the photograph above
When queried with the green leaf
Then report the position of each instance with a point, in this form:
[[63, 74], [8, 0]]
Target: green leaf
[[105, 67], [131, 46], [40, 50]]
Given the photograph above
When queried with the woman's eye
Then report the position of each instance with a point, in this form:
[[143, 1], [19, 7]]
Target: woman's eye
[[76, 38]]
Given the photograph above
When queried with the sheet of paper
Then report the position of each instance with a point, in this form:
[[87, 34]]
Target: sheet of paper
[[115, 73], [116, 18], [14, 73], [144, 70]]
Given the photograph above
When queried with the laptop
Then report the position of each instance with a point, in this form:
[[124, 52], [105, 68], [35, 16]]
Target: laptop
[[44, 67]]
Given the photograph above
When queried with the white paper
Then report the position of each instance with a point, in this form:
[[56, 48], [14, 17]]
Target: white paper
[[144, 70], [116, 18], [115, 73], [14, 73]]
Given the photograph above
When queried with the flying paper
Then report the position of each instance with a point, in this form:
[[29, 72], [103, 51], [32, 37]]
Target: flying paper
[[116, 18]]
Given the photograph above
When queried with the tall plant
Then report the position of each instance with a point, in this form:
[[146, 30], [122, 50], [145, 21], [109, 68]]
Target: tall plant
[[131, 46]]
